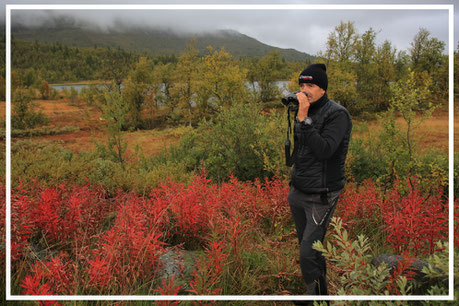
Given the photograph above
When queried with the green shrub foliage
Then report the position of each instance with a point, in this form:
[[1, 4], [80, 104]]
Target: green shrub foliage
[[25, 112], [386, 156], [240, 140]]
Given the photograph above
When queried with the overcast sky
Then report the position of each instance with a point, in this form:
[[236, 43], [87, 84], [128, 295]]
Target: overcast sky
[[304, 30]]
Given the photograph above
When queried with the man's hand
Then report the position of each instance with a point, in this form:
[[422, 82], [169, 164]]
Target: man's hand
[[303, 107]]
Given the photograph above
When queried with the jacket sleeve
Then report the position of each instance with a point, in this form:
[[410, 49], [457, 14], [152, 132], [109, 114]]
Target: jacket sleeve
[[324, 144]]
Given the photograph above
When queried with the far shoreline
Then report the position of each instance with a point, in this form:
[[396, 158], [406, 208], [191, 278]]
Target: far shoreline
[[93, 82]]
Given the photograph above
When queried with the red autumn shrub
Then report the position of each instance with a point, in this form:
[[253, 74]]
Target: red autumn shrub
[[238, 198], [21, 221], [402, 269], [192, 209], [208, 272], [360, 206], [57, 272], [414, 222], [99, 273], [33, 286], [272, 199], [87, 208], [45, 213], [411, 220], [130, 248], [2, 226], [187, 207], [114, 244], [65, 215], [168, 288], [456, 222], [233, 231]]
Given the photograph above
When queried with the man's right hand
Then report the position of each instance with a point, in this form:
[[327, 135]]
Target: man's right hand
[[303, 105]]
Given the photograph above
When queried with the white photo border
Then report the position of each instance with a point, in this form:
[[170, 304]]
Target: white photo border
[[447, 7]]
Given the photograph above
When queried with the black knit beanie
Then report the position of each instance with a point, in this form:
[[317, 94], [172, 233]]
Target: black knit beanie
[[315, 74]]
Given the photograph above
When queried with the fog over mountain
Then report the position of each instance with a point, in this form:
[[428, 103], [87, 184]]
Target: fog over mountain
[[303, 30], [72, 31]]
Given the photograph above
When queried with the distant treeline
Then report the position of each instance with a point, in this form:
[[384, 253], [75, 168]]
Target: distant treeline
[[60, 63], [194, 84], [56, 62]]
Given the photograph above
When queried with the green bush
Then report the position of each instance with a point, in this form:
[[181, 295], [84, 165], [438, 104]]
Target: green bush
[[51, 164], [106, 172], [239, 140], [112, 176], [385, 157], [25, 112], [365, 160], [135, 177], [432, 170], [363, 278], [47, 130], [438, 270]]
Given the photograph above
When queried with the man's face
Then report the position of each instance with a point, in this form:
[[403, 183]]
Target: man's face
[[314, 92]]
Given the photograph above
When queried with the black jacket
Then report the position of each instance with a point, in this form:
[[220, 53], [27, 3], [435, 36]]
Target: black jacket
[[321, 149]]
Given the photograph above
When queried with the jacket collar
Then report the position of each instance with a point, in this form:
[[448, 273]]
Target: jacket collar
[[318, 104]]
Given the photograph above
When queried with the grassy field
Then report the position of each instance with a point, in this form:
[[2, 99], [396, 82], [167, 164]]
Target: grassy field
[[62, 113], [432, 132]]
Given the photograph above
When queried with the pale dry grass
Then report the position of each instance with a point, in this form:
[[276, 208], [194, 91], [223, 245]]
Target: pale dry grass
[[63, 113], [431, 133], [150, 142]]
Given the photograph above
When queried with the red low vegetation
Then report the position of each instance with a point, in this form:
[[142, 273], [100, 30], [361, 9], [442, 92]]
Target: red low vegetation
[[77, 240]]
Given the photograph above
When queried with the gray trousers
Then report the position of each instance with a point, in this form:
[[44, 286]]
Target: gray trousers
[[312, 214]]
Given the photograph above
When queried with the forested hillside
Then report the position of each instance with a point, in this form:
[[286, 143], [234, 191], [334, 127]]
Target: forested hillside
[[149, 41]]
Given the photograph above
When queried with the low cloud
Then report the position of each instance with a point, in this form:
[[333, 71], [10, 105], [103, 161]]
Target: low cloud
[[303, 30]]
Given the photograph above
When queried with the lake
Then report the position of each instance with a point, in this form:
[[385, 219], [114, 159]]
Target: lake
[[281, 84]]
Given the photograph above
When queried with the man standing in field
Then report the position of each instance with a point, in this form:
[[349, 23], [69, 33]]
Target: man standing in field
[[322, 132]]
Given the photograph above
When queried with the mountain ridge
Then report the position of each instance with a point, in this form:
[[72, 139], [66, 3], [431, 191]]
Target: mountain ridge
[[155, 41]]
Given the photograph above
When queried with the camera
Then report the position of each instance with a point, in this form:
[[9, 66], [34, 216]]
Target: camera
[[291, 101]]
